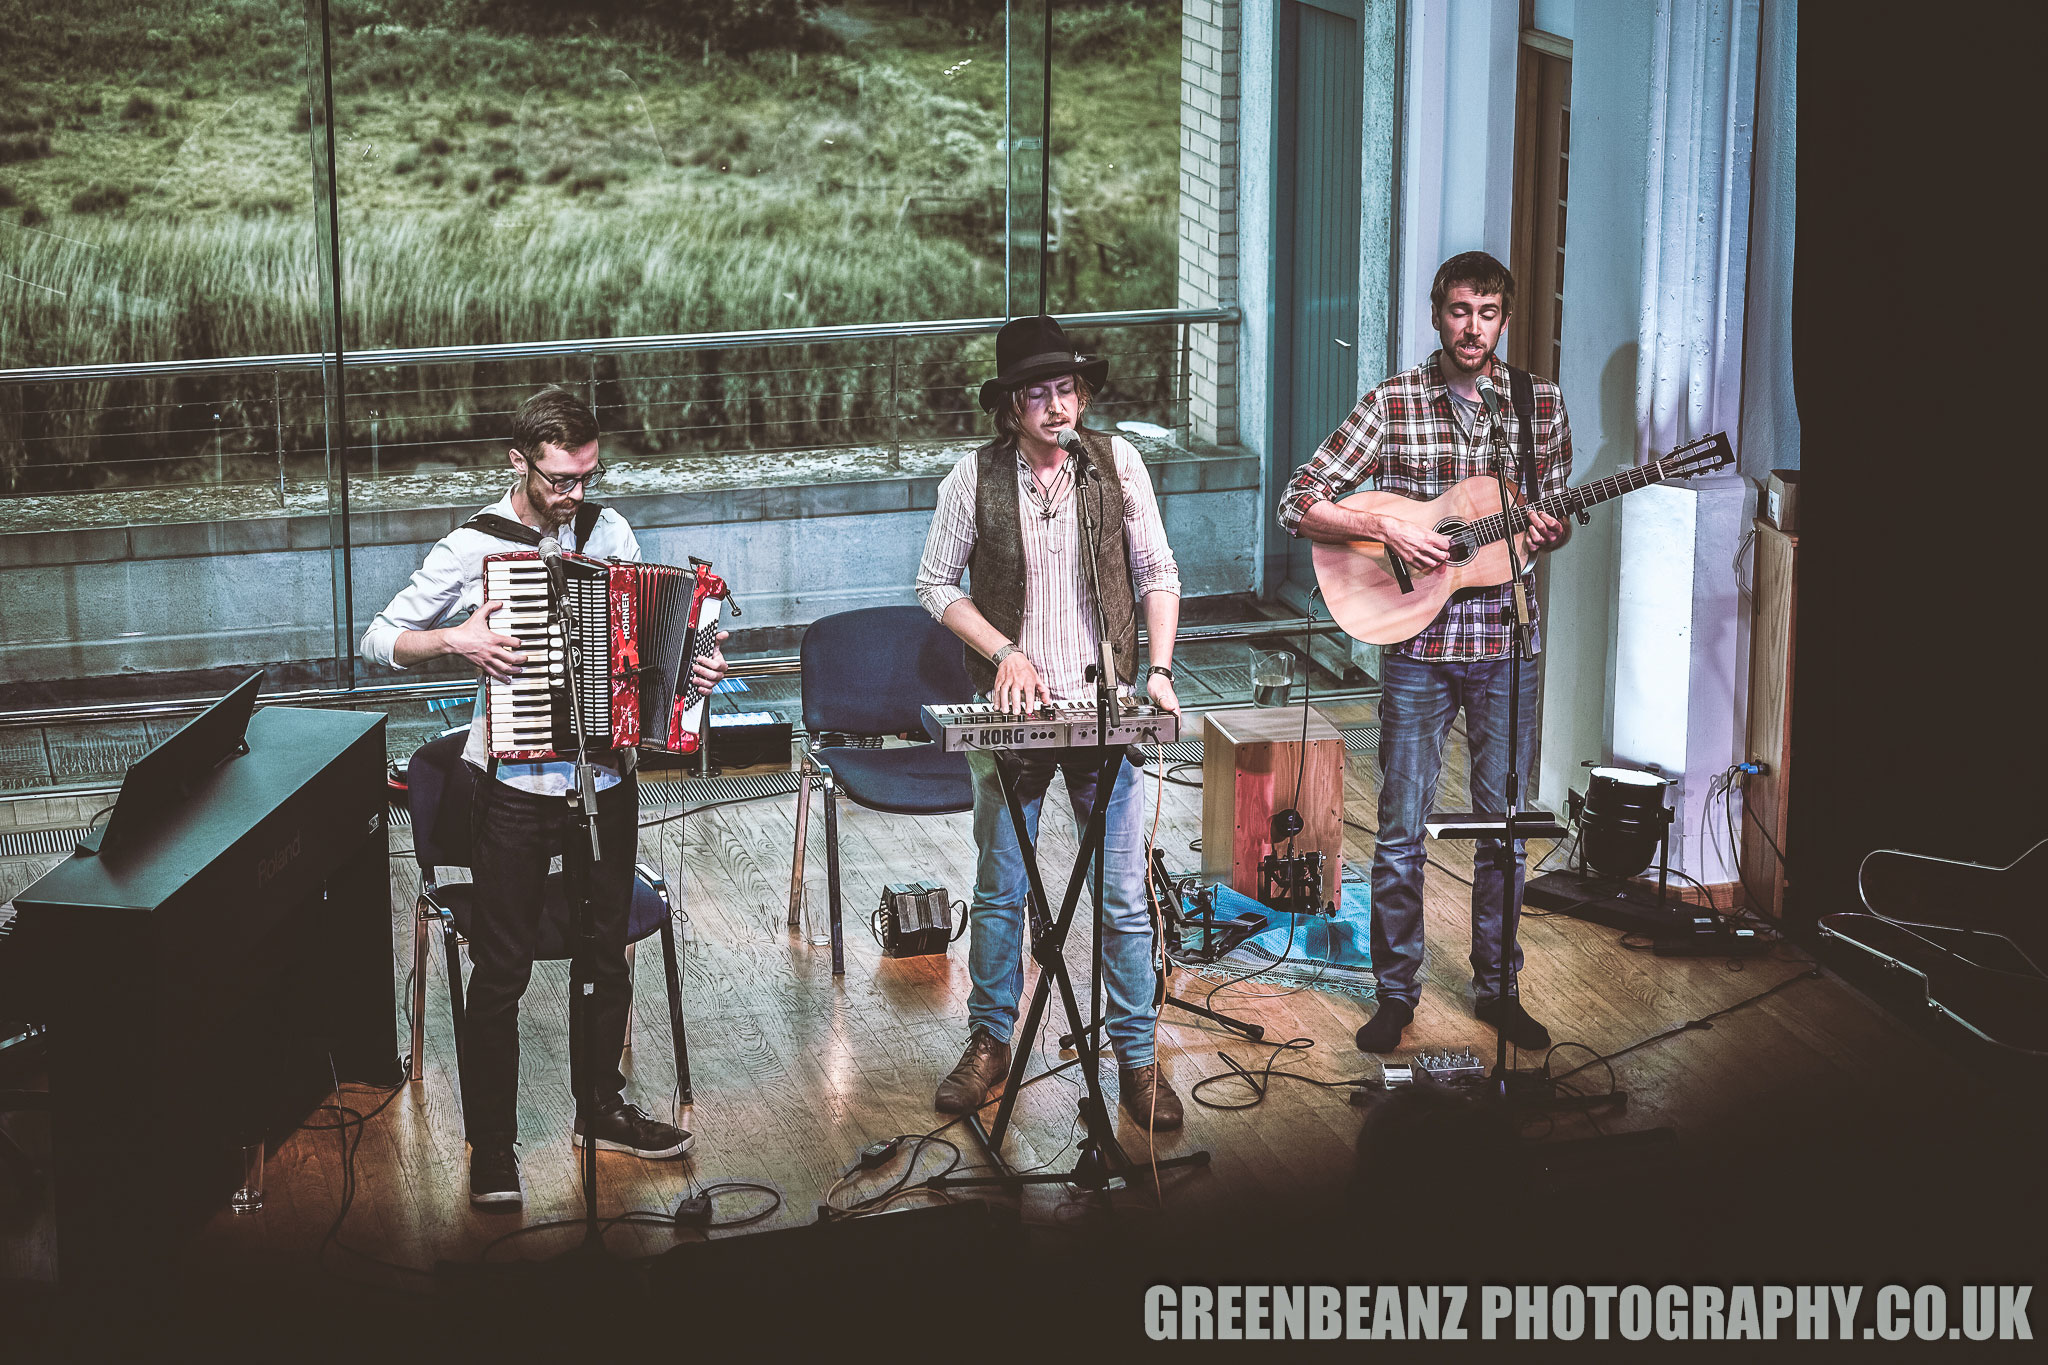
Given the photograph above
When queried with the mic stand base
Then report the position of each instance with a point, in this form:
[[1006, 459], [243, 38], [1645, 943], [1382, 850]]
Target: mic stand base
[[1250, 1032]]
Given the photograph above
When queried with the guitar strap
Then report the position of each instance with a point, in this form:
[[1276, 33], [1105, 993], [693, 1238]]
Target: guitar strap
[[1522, 391], [504, 528]]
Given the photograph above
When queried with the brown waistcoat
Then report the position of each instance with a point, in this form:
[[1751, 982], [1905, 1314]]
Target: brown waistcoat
[[995, 567]]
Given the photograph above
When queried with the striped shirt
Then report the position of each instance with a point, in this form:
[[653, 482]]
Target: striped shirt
[[1058, 634], [1405, 435]]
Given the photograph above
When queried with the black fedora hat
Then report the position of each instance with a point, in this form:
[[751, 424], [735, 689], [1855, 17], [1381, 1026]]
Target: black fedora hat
[[1031, 349]]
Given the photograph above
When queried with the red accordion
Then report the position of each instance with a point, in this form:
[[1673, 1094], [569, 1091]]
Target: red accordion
[[639, 627]]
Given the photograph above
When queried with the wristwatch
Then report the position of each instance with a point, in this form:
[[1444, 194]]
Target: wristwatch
[[1005, 652], [1162, 670]]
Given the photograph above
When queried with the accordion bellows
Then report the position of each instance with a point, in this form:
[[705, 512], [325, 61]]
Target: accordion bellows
[[627, 635]]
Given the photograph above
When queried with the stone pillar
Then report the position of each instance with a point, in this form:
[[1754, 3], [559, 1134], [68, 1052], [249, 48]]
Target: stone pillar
[[1208, 209]]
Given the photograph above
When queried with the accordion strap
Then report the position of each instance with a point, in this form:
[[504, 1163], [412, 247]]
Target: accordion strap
[[504, 528]]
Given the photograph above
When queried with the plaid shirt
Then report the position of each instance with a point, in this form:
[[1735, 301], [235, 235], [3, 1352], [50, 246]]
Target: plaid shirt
[[1404, 435]]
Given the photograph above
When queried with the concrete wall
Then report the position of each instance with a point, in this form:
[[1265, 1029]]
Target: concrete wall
[[1458, 152], [1611, 56], [1770, 410], [194, 595], [1258, 155]]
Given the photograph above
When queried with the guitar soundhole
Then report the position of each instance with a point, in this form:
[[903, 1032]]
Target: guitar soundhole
[[1462, 548]]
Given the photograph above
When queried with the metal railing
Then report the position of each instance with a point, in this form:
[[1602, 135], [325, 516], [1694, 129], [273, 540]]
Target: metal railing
[[547, 350], [400, 693], [263, 420]]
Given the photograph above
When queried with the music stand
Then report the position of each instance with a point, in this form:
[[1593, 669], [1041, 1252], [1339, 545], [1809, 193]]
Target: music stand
[[164, 776]]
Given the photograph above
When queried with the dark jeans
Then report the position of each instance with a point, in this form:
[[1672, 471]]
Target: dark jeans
[[1418, 701], [515, 833]]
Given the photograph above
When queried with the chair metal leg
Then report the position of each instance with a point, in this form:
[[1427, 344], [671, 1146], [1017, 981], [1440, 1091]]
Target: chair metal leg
[[832, 873], [451, 949], [630, 1020], [796, 858], [675, 1011], [422, 946]]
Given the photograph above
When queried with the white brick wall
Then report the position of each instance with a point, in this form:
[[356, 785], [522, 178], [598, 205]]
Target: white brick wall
[[1208, 209]]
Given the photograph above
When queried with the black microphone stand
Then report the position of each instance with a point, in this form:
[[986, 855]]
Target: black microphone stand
[[1522, 650], [583, 801]]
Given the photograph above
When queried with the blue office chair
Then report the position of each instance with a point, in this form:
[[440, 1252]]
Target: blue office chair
[[866, 675], [439, 789]]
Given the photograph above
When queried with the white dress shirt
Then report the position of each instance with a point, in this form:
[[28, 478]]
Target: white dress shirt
[[451, 584], [1058, 631]]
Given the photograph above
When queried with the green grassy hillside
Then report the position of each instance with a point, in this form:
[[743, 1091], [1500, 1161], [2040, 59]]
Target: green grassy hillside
[[157, 199]]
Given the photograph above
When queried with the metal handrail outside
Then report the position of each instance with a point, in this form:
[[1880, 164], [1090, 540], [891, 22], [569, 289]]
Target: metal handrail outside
[[543, 350], [375, 694]]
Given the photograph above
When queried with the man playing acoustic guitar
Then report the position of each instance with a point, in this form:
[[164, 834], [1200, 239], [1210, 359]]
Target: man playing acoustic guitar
[[1417, 434]]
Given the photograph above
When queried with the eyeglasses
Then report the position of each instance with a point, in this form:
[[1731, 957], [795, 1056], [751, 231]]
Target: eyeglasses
[[564, 482]]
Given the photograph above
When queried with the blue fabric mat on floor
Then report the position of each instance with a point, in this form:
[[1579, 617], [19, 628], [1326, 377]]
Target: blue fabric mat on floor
[[1325, 952]]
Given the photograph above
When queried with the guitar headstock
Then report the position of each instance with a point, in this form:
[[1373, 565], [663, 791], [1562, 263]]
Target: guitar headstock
[[1702, 456]]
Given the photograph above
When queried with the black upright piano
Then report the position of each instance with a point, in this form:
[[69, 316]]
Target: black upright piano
[[205, 983]]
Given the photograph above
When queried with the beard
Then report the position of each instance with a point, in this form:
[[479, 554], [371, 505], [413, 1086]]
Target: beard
[[1457, 359]]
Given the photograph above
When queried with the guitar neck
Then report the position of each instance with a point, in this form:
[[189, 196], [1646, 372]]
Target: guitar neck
[[1575, 500]]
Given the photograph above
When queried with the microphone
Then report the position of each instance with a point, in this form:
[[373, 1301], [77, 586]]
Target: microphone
[[1489, 396], [551, 556]]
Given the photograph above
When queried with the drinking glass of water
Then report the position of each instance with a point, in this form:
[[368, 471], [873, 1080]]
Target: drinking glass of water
[[1272, 676], [249, 1197]]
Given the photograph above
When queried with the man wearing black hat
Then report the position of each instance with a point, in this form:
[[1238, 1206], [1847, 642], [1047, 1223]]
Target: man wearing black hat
[[1007, 513]]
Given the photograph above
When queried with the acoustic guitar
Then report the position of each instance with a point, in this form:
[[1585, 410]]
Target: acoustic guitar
[[1382, 601]]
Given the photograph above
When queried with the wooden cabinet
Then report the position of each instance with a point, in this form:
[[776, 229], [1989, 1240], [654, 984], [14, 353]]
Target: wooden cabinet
[[1773, 631]]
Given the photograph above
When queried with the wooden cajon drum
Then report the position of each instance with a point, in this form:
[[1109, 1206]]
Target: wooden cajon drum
[[1250, 760]]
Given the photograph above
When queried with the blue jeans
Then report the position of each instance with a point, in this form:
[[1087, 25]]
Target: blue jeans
[[1418, 701], [996, 917]]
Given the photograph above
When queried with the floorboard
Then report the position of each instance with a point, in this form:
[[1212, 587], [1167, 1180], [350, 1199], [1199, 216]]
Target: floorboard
[[795, 1070]]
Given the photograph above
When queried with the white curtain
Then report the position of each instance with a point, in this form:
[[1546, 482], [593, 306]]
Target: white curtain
[[1696, 241]]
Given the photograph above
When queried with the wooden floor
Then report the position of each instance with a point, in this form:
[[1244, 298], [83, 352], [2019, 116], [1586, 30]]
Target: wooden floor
[[794, 1070]]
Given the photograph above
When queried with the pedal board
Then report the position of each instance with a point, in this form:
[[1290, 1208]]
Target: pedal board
[[1445, 1067]]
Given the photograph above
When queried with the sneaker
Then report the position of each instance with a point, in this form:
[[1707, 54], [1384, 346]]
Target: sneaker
[[1147, 1097], [1382, 1032], [981, 1068], [625, 1128], [494, 1176], [1507, 1017]]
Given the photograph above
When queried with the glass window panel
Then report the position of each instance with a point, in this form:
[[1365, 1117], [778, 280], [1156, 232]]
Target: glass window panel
[[155, 205], [526, 172], [1116, 109]]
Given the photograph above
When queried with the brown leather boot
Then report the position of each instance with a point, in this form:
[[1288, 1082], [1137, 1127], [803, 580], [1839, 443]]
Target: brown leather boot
[[1149, 1098], [982, 1068]]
